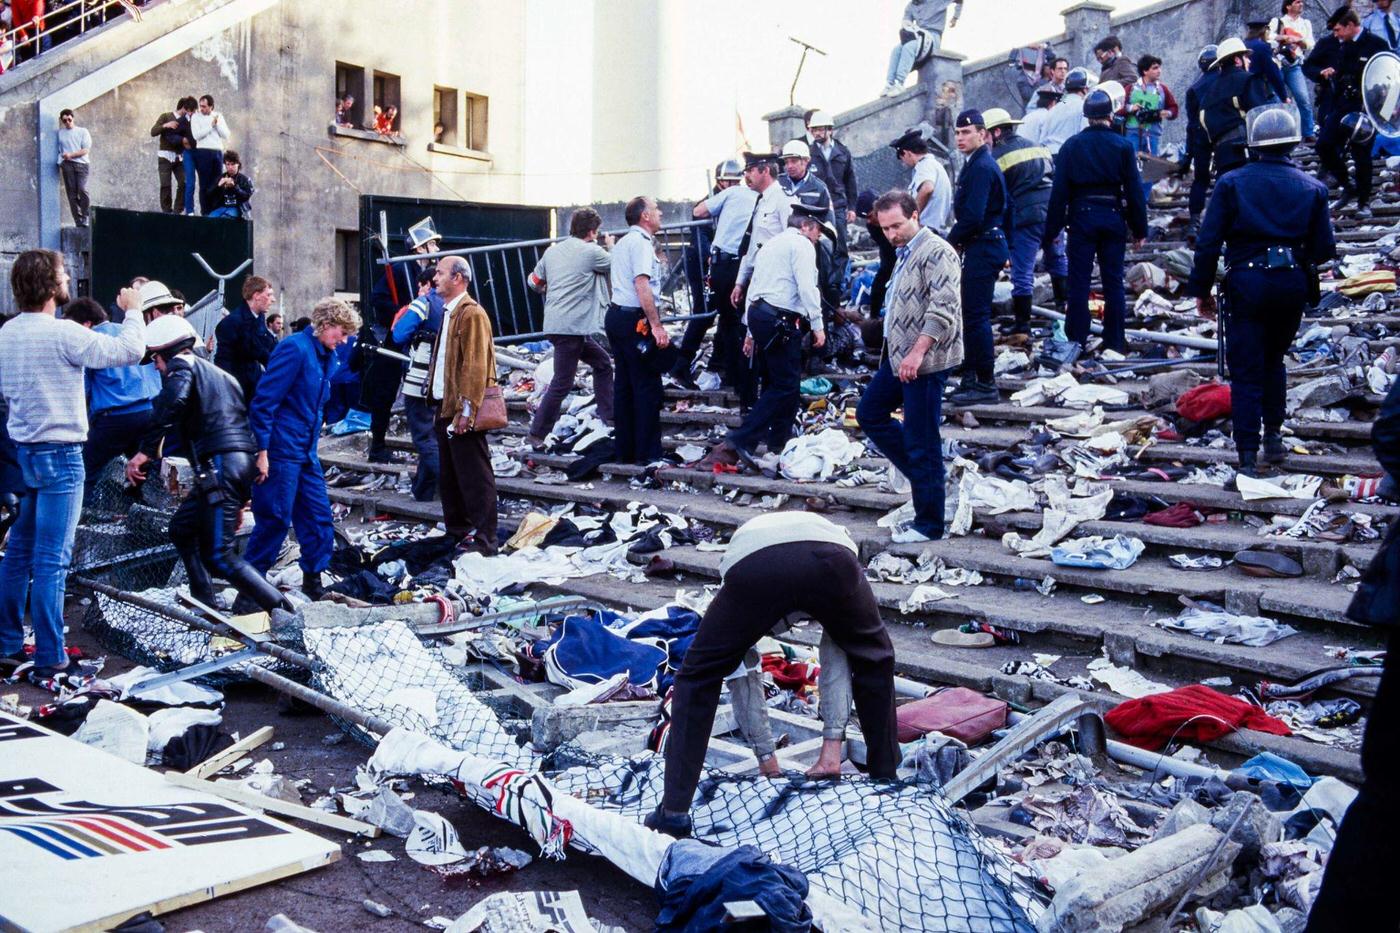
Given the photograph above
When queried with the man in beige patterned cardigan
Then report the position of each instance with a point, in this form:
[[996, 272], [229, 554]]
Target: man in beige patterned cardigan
[[923, 343]]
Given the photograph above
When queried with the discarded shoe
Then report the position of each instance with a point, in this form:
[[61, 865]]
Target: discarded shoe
[[1258, 563], [954, 638]]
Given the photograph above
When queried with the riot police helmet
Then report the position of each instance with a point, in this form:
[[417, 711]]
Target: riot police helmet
[[1077, 80], [1206, 58], [1272, 126]]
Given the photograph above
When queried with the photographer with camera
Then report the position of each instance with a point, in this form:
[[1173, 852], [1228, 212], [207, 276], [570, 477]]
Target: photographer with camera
[[1149, 103]]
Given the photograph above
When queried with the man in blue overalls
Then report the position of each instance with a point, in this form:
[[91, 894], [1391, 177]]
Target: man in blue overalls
[[1097, 182], [981, 212], [1272, 220], [285, 416]]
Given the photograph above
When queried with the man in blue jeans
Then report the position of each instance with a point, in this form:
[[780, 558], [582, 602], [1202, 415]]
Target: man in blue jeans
[[42, 359], [923, 343], [285, 415]]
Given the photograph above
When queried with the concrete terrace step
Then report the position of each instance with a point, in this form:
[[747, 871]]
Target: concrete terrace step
[[917, 657]]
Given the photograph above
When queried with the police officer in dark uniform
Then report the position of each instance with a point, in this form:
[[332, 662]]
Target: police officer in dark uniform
[[1273, 223], [981, 216], [1224, 103], [397, 287], [1339, 129], [1029, 170], [1319, 67], [1098, 196], [1198, 148]]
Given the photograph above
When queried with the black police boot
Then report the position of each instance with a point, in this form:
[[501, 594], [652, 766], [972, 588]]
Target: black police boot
[[1193, 227], [1249, 463], [681, 373], [676, 826], [1021, 308], [313, 588], [253, 587], [201, 585], [1060, 287], [1274, 449]]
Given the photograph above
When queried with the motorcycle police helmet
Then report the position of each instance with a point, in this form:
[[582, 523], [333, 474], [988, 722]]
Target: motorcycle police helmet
[[1360, 127], [423, 233], [1272, 125], [1098, 105], [730, 170], [1206, 58], [169, 336], [1116, 94], [1077, 80]]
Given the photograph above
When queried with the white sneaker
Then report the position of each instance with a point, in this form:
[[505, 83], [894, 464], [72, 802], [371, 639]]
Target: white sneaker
[[908, 534], [892, 91]]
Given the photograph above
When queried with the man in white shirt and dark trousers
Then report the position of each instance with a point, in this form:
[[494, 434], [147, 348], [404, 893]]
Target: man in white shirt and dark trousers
[[930, 186], [74, 144], [639, 342], [776, 565], [42, 359], [210, 131], [784, 304]]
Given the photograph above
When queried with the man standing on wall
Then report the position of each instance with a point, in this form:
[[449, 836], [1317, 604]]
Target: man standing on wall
[[74, 144], [170, 155], [210, 132]]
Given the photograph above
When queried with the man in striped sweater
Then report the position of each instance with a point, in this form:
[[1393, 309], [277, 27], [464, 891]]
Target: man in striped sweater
[[42, 359]]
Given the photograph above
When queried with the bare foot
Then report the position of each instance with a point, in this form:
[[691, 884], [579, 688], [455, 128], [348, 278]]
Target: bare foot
[[828, 763]]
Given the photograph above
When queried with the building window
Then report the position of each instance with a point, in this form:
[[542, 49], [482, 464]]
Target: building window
[[445, 116], [347, 261], [475, 123], [386, 101], [350, 79]]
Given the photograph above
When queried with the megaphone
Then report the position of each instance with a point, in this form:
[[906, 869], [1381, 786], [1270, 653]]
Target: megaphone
[[1380, 93]]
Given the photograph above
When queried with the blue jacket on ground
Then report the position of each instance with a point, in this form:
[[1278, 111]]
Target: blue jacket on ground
[[121, 389], [286, 412], [1266, 202], [1096, 162]]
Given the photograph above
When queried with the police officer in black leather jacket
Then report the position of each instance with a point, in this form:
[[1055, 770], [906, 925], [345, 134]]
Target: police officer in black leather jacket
[[206, 406]]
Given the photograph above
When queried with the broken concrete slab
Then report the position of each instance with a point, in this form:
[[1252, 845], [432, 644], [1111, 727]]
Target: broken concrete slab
[[552, 726], [1132, 888]]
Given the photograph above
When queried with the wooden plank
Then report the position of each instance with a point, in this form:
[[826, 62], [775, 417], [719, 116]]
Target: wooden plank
[[273, 805], [220, 760]]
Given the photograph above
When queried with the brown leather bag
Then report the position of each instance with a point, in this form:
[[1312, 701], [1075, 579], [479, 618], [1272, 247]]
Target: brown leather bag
[[491, 416], [954, 711]]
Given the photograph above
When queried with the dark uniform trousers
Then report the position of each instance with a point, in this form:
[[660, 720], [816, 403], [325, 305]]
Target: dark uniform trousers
[[1200, 181], [1332, 148], [1096, 231], [467, 485], [637, 393], [824, 581], [779, 357], [1265, 307], [983, 261], [727, 356]]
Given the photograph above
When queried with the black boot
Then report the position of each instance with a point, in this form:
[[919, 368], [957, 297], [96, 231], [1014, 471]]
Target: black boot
[[1274, 448], [313, 588], [201, 585], [1061, 289], [1249, 463], [254, 591], [1021, 308]]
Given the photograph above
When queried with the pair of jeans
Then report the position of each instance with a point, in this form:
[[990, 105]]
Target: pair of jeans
[[1097, 232], [172, 174], [901, 62], [1265, 307], [568, 350], [208, 166], [112, 434], [983, 260], [774, 415], [40, 549], [637, 392], [75, 175], [293, 496], [914, 448], [191, 182], [750, 708], [820, 580], [225, 212], [420, 416], [1297, 83], [1025, 244], [1146, 137]]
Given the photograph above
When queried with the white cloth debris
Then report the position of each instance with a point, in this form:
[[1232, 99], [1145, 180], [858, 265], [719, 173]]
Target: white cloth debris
[[166, 724], [1293, 486], [923, 598], [433, 840], [990, 495], [1064, 512], [179, 693], [1097, 553], [816, 456], [1207, 620], [1123, 681], [1080, 425], [1007, 360]]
